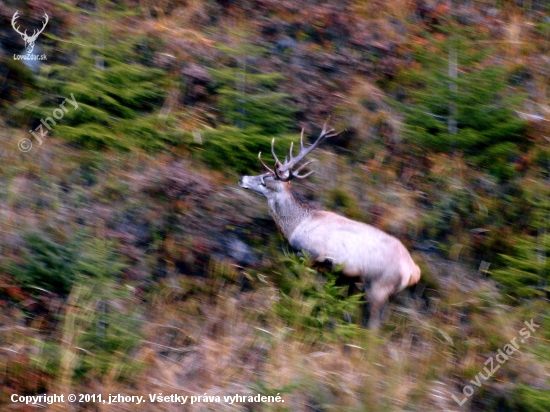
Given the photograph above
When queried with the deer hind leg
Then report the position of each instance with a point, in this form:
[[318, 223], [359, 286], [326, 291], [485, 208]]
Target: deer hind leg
[[375, 313], [377, 303]]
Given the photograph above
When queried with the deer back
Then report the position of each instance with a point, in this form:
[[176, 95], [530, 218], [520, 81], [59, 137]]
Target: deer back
[[363, 250]]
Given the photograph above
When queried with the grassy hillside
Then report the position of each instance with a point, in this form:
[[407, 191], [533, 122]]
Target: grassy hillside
[[132, 263]]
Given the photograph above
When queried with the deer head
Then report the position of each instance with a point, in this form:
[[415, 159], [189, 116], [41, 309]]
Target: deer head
[[29, 40], [271, 182]]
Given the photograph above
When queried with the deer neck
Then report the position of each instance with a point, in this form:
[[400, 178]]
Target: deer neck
[[287, 211]]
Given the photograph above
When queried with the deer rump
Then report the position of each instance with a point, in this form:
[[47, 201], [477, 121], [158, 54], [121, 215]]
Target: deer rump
[[379, 259]]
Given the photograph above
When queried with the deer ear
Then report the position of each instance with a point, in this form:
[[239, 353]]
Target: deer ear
[[262, 181]]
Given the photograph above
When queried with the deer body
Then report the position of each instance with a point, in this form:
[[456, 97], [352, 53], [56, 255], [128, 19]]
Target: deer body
[[363, 250], [380, 260]]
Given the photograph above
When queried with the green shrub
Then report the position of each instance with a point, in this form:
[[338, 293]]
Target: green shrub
[[527, 399], [46, 263], [54, 265], [109, 333], [253, 112], [100, 332], [117, 104], [472, 112], [232, 148], [313, 305], [525, 272], [248, 98], [260, 106]]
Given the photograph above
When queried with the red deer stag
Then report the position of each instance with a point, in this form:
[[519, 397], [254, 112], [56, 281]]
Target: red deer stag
[[380, 260]]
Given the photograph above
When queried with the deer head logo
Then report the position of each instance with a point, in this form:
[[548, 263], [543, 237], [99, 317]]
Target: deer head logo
[[29, 40]]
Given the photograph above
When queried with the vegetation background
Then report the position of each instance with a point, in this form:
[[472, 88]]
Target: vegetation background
[[131, 262]]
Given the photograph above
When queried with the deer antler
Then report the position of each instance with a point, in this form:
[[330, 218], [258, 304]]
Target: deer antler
[[264, 165], [283, 171]]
